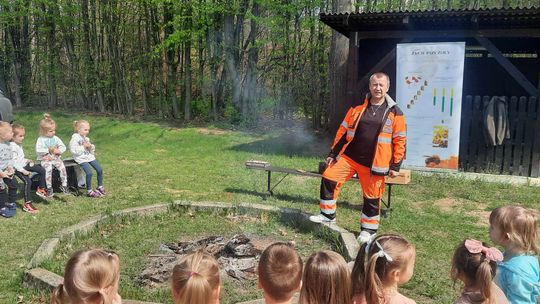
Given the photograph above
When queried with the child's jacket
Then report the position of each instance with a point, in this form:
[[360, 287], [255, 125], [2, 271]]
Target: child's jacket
[[519, 279], [44, 143]]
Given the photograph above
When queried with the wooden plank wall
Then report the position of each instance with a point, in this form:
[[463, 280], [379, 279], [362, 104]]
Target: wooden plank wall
[[519, 155]]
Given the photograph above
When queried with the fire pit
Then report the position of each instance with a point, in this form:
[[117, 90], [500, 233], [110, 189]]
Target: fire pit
[[237, 258]]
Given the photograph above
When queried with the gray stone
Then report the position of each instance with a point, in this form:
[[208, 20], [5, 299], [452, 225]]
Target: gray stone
[[42, 279], [351, 245], [81, 227], [157, 208], [44, 252]]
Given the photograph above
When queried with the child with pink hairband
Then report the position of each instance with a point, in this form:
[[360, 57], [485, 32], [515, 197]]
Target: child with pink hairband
[[475, 265]]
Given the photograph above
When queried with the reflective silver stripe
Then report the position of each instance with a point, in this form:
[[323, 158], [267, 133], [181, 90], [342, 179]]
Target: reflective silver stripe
[[380, 169], [328, 202], [399, 134], [344, 124], [385, 140], [370, 225], [328, 211], [350, 133]]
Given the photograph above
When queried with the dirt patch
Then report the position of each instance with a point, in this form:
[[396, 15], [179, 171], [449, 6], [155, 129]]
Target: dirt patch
[[207, 131], [447, 204], [470, 208], [176, 191]]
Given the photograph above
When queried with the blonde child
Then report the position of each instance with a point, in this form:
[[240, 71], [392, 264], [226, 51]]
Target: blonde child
[[475, 265], [24, 169], [49, 149], [195, 279], [8, 185], [83, 153], [90, 277], [516, 229], [280, 273], [380, 267], [327, 279]]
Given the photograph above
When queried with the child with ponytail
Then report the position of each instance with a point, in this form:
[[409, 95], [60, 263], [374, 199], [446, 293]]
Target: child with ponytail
[[91, 277], [475, 265], [383, 264], [49, 149], [195, 279]]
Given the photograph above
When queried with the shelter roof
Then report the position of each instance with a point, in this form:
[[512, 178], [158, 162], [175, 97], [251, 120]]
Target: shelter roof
[[499, 19]]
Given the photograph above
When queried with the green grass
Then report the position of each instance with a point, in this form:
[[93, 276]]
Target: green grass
[[148, 163]]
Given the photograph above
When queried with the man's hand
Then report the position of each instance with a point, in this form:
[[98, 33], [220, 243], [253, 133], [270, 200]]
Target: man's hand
[[329, 161], [393, 173], [25, 172]]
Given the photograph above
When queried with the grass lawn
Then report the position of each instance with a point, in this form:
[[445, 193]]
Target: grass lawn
[[146, 163]]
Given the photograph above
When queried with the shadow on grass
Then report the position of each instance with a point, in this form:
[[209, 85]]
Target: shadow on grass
[[293, 198], [288, 144]]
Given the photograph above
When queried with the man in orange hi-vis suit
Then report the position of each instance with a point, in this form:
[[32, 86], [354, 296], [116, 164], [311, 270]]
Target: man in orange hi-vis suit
[[371, 143]]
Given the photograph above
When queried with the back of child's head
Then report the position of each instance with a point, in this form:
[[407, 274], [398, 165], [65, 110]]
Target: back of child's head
[[17, 129], [195, 279], [519, 225], [327, 279], [280, 271], [4, 128], [90, 276], [476, 265], [46, 124], [79, 123], [375, 262]]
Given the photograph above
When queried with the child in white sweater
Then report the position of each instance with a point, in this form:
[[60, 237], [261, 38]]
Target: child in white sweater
[[8, 185], [49, 149], [24, 169], [83, 152]]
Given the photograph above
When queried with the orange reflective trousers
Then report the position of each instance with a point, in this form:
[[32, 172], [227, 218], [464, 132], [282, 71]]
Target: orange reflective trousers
[[372, 188]]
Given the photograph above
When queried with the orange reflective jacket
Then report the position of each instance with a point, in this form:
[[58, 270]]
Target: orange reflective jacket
[[390, 145]]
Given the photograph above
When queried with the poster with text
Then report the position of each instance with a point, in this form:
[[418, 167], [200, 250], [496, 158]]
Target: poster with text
[[429, 86]]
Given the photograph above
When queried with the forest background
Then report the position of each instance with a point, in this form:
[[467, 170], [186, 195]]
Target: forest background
[[190, 60]]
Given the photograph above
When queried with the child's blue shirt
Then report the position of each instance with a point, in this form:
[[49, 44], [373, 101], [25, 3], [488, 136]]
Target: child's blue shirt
[[519, 279]]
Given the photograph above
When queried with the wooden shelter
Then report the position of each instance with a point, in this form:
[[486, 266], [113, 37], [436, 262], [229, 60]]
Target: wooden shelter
[[502, 48]]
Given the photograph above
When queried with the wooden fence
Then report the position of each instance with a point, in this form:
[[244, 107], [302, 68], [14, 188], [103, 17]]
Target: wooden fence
[[519, 155]]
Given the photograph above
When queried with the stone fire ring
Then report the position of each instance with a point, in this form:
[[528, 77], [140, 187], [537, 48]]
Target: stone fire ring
[[39, 278]]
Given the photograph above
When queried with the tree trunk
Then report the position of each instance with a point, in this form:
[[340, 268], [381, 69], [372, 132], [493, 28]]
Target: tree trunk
[[187, 66]]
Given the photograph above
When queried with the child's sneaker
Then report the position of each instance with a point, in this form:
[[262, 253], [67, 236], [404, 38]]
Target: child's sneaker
[[101, 190], [64, 189], [42, 192], [6, 212], [28, 207], [93, 193]]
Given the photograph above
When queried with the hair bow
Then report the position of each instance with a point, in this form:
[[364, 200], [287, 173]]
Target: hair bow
[[381, 253], [370, 241], [492, 253]]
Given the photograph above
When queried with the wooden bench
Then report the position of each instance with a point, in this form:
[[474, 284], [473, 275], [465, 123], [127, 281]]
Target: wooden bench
[[403, 178]]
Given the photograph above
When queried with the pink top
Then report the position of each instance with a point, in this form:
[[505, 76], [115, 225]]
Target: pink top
[[474, 297], [393, 299]]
